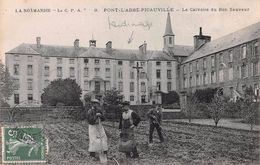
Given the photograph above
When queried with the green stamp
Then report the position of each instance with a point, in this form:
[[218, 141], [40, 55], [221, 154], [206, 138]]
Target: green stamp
[[23, 145]]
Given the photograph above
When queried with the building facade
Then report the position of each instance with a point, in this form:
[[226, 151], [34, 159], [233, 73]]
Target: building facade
[[230, 62]]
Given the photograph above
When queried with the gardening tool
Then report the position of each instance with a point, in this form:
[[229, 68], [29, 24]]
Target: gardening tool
[[102, 156]]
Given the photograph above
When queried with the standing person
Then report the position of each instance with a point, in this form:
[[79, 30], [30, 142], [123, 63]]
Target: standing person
[[155, 120], [129, 120], [97, 135]]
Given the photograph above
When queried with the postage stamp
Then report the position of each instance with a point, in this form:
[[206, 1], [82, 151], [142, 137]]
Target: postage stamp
[[23, 145]]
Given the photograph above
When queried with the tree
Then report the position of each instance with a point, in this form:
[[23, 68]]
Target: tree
[[112, 100], [217, 107], [205, 95], [191, 106], [171, 98], [250, 107], [7, 85], [62, 91]]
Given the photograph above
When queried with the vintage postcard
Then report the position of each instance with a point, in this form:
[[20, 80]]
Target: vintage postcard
[[129, 82]]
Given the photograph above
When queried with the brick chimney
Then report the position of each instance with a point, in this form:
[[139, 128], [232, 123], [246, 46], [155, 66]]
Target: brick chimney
[[92, 43], [109, 45], [143, 48], [76, 43], [200, 40], [38, 42]]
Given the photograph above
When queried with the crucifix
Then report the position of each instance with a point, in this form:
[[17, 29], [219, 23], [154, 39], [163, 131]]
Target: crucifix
[[137, 67]]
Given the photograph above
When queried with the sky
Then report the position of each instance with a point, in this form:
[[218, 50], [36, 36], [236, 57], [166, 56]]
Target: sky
[[68, 20]]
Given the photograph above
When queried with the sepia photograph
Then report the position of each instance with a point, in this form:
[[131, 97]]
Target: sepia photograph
[[138, 82]]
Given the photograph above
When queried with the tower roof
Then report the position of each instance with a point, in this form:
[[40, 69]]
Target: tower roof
[[168, 29]]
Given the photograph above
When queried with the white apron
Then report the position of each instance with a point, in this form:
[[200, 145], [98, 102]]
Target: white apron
[[97, 138]]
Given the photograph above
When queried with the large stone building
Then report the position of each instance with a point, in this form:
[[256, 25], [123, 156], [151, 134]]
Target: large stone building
[[231, 62], [97, 69]]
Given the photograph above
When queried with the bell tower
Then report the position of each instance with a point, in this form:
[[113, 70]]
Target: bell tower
[[168, 37]]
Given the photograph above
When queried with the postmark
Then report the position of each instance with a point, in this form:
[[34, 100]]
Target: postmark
[[23, 145]]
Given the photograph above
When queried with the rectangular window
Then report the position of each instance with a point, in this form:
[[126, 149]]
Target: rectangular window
[[212, 61], [158, 86], [59, 71], [86, 85], [185, 82], [142, 75], [255, 51], [30, 70], [16, 84], [16, 58], [190, 67], [97, 86], [120, 62], [197, 80], [204, 63], [169, 74], [132, 98], [254, 69], [205, 79], [16, 69], [132, 87], [120, 86], [213, 77], [221, 58], [107, 62], [132, 74], [170, 40], [71, 61], [169, 64], [85, 61], [30, 98], [16, 99], [107, 85], [120, 74], [169, 86], [97, 71], [221, 75], [158, 73], [46, 71], [230, 56], [243, 51], [131, 63], [30, 58], [197, 65], [230, 73], [30, 84], [190, 81], [59, 60], [244, 71], [72, 72], [86, 73], [97, 62], [108, 73], [158, 63], [46, 59], [143, 87], [184, 69]]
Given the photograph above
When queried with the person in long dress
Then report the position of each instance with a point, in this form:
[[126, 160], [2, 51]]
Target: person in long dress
[[97, 135], [129, 120]]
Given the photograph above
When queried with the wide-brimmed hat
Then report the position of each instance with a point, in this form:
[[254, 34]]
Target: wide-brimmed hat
[[125, 103], [95, 101]]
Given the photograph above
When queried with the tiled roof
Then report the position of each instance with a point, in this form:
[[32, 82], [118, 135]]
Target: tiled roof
[[23, 49], [181, 50], [90, 52], [241, 36]]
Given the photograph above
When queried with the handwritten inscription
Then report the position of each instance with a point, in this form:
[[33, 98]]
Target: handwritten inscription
[[125, 23]]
